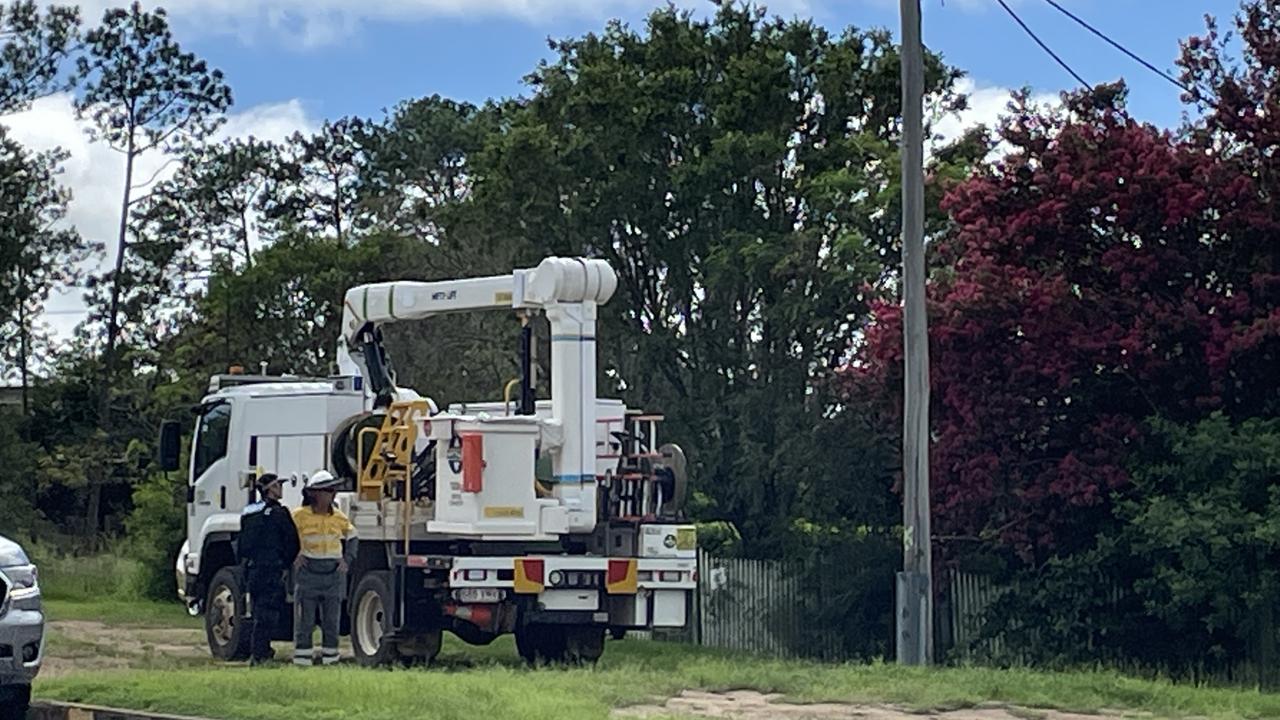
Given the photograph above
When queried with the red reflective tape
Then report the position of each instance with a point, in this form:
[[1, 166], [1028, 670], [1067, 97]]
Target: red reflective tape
[[621, 577], [617, 570], [533, 570]]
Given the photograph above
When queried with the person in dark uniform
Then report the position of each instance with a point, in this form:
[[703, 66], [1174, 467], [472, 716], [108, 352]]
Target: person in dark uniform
[[267, 548]]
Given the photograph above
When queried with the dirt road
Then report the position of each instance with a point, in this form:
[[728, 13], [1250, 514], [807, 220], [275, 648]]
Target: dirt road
[[752, 705], [79, 645]]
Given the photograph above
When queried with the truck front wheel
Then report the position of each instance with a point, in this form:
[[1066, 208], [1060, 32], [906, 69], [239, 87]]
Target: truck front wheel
[[371, 606], [225, 625]]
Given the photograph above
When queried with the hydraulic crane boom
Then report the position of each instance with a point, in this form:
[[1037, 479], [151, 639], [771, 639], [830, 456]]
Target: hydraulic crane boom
[[567, 290], [556, 281]]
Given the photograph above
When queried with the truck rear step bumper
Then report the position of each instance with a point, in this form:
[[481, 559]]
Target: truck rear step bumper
[[622, 592]]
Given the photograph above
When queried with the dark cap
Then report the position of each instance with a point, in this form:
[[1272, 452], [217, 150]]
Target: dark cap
[[266, 480]]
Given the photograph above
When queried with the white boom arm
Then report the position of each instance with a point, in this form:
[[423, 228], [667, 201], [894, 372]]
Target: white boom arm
[[568, 290], [554, 281]]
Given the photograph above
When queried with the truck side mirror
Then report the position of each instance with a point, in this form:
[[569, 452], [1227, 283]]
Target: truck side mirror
[[170, 445]]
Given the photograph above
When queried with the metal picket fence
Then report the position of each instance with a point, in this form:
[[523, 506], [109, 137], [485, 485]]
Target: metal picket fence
[[964, 606], [759, 606], [764, 607]]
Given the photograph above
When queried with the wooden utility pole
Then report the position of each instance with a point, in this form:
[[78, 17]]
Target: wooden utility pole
[[915, 582]]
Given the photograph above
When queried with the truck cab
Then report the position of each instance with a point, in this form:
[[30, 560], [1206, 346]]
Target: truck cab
[[243, 425]]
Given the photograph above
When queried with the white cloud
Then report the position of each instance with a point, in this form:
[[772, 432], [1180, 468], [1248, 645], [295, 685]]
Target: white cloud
[[95, 173], [313, 23], [987, 104], [274, 122]]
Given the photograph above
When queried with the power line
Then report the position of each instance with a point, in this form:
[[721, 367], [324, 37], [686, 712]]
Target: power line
[[1133, 56], [1042, 44]]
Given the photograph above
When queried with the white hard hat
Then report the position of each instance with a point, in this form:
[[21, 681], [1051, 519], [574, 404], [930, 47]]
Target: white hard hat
[[323, 480]]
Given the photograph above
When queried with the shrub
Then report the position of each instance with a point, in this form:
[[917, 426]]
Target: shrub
[[156, 528]]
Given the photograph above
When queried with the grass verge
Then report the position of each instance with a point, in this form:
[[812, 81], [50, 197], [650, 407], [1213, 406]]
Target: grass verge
[[488, 682], [128, 613]]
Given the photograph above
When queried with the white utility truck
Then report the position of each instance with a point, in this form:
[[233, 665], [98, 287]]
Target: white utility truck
[[558, 521]]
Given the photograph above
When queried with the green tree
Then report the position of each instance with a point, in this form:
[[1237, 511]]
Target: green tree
[[156, 528], [315, 180], [739, 173], [212, 201], [33, 47], [419, 163], [418, 183], [142, 93], [1204, 514], [36, 254], [285, 309], [18, 478]]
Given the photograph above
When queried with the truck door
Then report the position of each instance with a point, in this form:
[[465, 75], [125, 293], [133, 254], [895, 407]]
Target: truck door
[[210, 473]]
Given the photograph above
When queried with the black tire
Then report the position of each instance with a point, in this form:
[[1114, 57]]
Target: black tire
[[226, 628], [421, 649], [536, 643], [583, 644], [618, 633], [14, 702], [554, 644], [371, 606], [344, 451]]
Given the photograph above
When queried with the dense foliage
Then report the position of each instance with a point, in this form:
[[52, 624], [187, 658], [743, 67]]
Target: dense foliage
[[739, 174], [1105, 338]]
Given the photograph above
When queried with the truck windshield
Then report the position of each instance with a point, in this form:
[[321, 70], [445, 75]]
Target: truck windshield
[[211, 438]]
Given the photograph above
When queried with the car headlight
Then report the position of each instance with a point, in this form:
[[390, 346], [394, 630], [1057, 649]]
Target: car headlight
[[24, 580]]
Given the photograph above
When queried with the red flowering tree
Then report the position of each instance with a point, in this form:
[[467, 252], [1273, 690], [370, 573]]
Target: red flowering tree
[[1101, 273]]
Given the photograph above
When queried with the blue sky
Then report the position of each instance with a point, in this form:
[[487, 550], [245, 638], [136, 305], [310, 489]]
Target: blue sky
[[341, 62], [294, 63]]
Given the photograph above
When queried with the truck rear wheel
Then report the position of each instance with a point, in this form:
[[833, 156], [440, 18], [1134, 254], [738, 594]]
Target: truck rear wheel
[[371, 607], [583, 644], [551, 643], [225, 626], [539, 643], [420, 649]]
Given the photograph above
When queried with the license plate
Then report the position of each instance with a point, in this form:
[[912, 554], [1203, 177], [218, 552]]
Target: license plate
[[478, 595]]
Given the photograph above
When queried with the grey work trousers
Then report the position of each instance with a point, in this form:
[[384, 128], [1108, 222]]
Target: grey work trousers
[[317, 592]]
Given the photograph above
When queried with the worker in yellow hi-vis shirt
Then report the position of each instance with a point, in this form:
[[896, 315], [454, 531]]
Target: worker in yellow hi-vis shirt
[[328, 548]]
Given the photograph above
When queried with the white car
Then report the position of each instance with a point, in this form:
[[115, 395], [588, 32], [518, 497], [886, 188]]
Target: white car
[[21, 630]]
